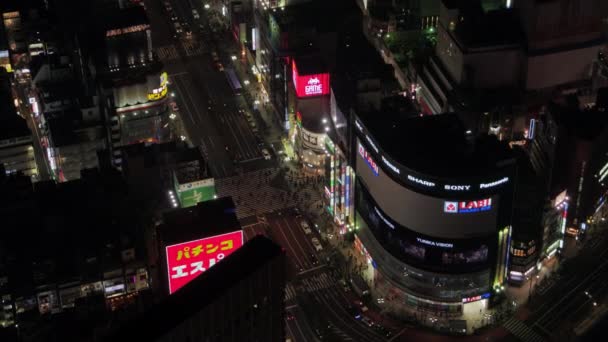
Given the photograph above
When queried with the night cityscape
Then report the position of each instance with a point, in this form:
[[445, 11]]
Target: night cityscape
[[303, 170]]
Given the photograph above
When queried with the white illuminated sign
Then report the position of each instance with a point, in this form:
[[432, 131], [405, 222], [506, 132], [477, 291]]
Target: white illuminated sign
[[457, 187], [435, 243], [313, 87], [369, 140], [384, 219], [391, 166], [420, 181], [358, 125], [493, 184]]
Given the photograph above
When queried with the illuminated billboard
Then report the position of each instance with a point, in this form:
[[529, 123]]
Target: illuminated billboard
[[309, 85], [186, 260], [161, 91], [195, 192]]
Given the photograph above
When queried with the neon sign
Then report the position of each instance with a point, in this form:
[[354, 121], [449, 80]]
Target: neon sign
[[187, 260], [467, 206], [368, 159], [435, 243], [309, 85], [161, 91], [476, 298]]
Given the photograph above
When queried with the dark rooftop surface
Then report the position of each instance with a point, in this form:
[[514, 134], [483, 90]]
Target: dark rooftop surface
[[318, 14], [208, 218], [11, 124], [478, 28], [436, 145], [310, 65], [125, 17], [201, 292]]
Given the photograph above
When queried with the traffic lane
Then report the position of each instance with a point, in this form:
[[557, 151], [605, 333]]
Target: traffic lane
[[244, 136], [305, 251], [211, 103], [243, 140], [298, 327], [574, 299], [295, 223], [162, 31], [254, 230], [200, 128], [575, 310], [336, 311], [296, 260], [586, 266]]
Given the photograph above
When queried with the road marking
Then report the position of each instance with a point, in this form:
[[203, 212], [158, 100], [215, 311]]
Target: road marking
[[312, 269], [398, 334], [291, 307], [178, 74], [250, 159]]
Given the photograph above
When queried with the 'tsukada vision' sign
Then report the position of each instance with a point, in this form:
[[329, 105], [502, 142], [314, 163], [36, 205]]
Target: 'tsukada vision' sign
[[309, 85], [187, 260], [467, 206]]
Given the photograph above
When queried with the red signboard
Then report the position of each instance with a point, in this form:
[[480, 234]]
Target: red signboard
[[309, 85], [186, 260]]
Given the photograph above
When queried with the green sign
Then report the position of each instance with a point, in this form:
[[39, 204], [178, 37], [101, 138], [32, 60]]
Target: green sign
[[190, 194]]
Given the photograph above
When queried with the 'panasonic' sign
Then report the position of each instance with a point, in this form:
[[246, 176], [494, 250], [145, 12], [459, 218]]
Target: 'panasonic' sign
[[420, 181], [493, 184]]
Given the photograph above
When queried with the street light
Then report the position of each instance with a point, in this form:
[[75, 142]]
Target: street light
[[233, 58]]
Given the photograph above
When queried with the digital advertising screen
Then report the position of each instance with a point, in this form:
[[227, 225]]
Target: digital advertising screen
[[187, 260], [455, 217], [310, 85], [426, 252], [190, 194]]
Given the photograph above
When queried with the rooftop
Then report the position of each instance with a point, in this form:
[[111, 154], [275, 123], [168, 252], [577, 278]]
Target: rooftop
[[207, 218], [11, 124], [201, 292], [478, 28], [436, 144]]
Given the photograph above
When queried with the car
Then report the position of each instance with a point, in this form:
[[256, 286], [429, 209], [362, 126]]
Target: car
[[195, 14], [313, 259], [178, 27], [168, 6], [354, 312], [187, 29], [290, 316], [305, 227], [174, 16], [266, 154], [367, 321], [214, 56], [316, 244], [219, 66]]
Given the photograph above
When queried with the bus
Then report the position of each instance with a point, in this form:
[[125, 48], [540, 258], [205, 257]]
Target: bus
[[233, 81]]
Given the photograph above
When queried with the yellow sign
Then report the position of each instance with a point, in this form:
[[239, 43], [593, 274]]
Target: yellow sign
[[161, 91]]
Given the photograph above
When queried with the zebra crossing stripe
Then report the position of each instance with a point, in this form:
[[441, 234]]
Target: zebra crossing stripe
[[522, 331]]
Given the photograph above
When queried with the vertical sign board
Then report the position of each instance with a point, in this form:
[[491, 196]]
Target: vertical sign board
[[186, 260], [309, 85]]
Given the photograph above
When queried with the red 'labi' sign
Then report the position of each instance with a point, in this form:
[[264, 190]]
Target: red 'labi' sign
[[187, 260], [310, 85]]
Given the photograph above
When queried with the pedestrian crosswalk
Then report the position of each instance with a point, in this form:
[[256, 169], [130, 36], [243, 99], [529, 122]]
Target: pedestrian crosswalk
[[340, 334], [317, 282], [166, 53], [192, 48], [253, 192], [523, 332], [290, 293]]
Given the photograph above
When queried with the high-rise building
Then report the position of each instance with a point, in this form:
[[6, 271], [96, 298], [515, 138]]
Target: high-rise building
[[433, 210], [239, 299]]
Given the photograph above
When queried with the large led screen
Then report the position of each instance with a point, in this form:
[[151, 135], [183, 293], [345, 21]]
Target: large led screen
[[187, 260], [455, 217], [420, 250], [309, 85]]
